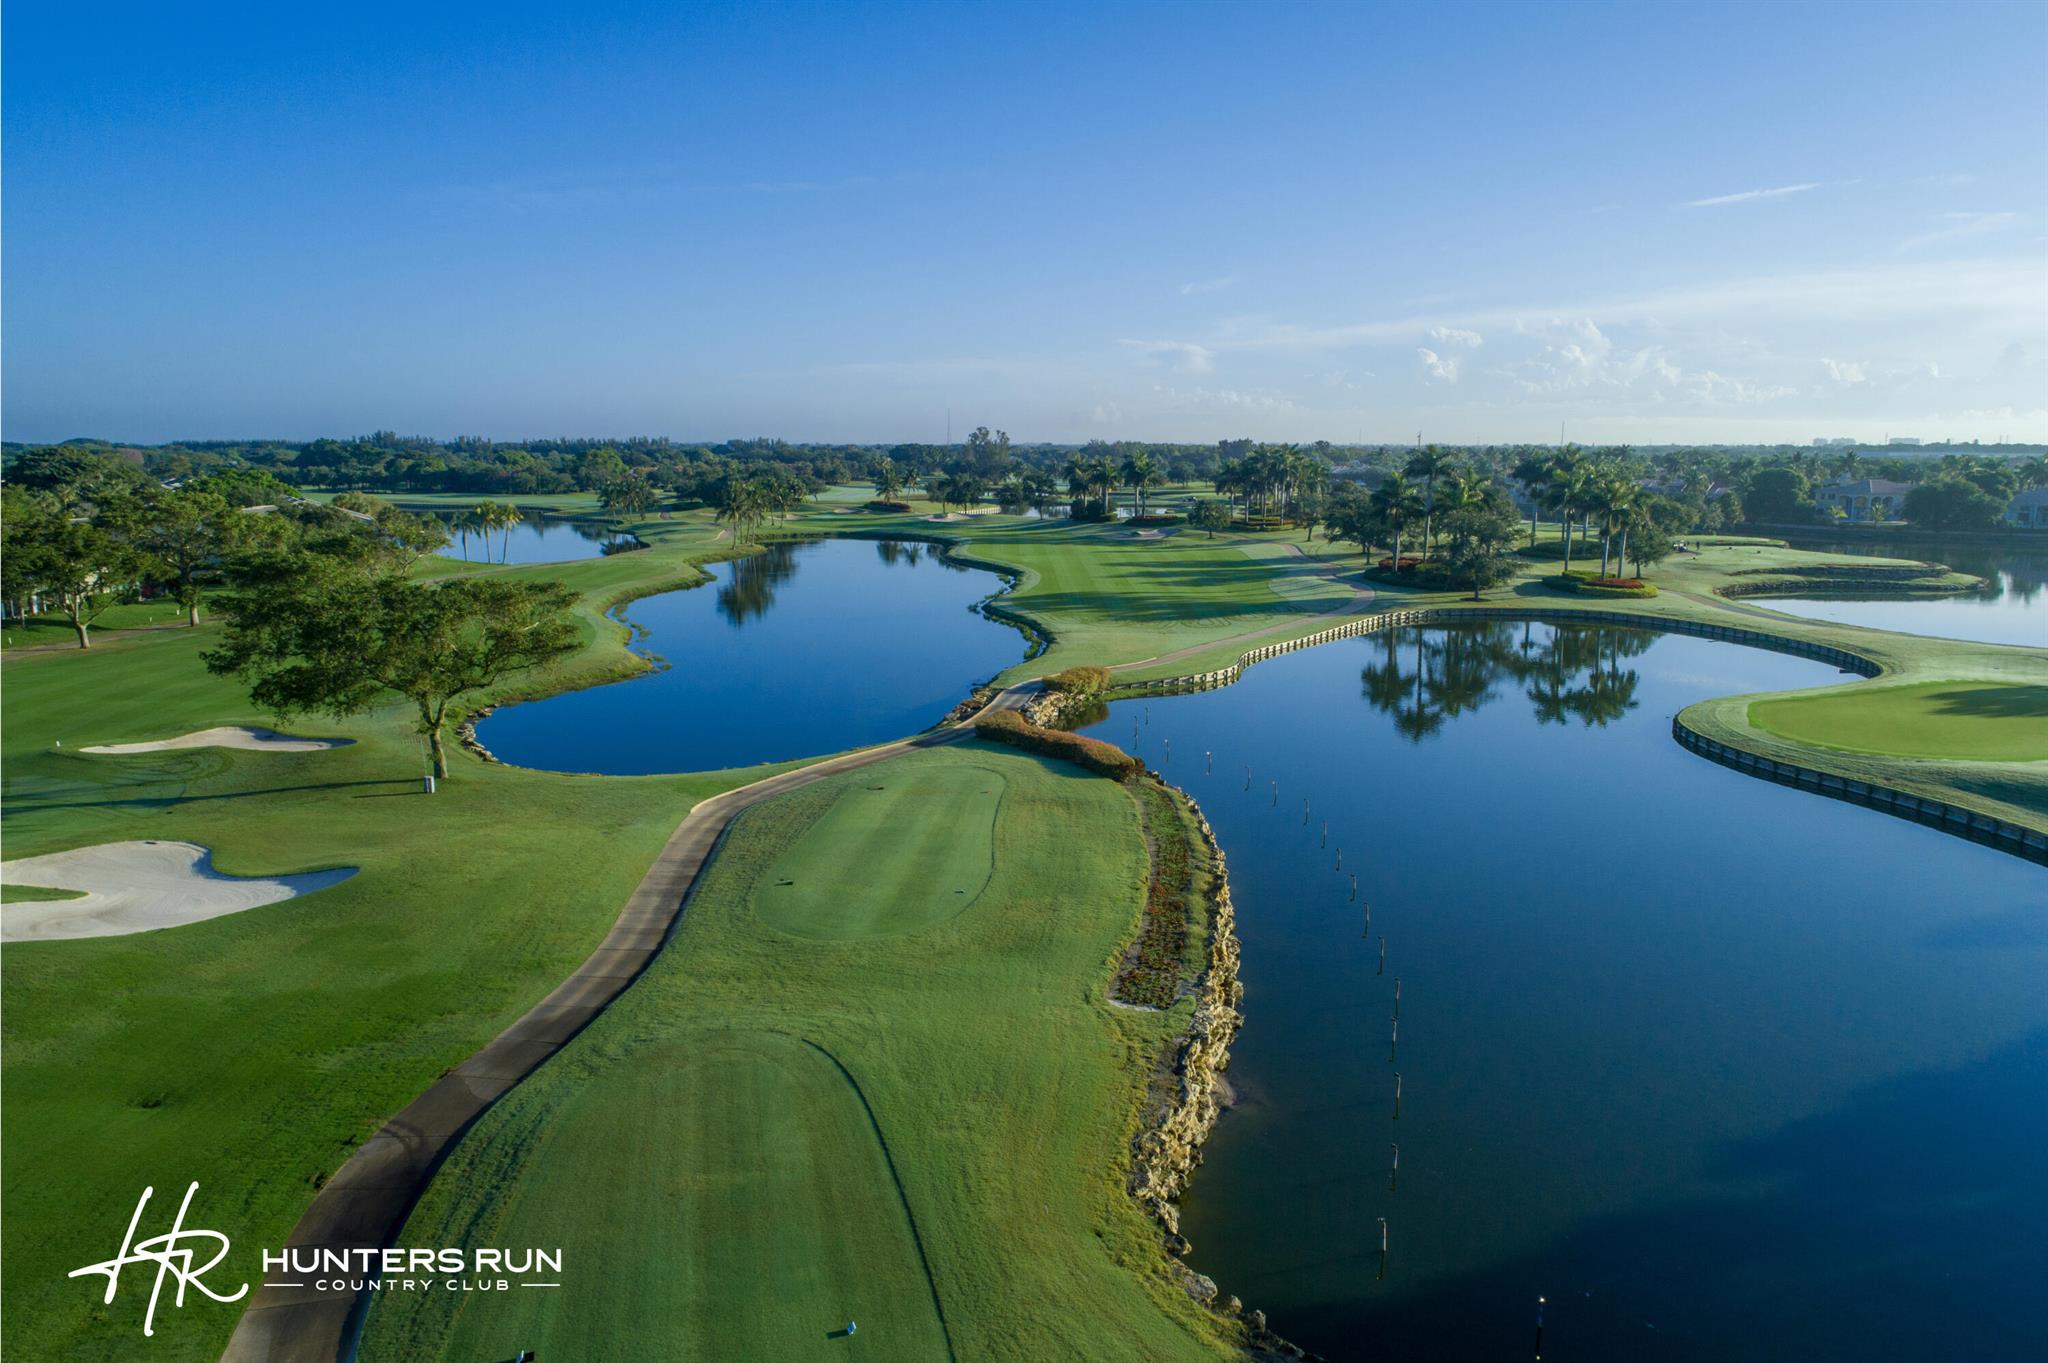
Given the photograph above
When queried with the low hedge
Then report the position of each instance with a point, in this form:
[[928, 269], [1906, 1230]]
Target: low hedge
[[1153, 518], [1080, 681], [1091, 755], [879, 505], [1585, 584]]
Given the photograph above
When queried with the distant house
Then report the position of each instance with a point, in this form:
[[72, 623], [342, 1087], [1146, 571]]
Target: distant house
[[1863, 499], [2029, 510]]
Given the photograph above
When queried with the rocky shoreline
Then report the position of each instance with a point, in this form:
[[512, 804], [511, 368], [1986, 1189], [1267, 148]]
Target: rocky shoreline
[[1168, 1144]]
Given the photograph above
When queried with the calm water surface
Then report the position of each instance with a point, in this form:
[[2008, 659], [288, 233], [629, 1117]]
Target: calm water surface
[[2012, 608], [539, 540], [801, 650], [1724, 1070]]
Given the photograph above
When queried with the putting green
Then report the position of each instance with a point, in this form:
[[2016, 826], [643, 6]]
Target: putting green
[[875, 865], [1976, 721], [759, 1216]]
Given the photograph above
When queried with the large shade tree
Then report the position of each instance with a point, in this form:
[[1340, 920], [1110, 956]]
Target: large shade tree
[[312, 635]]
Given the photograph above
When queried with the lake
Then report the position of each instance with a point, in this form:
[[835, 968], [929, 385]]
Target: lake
[[2011, 609], [798, 651], [538, 539], [1722, 1069]]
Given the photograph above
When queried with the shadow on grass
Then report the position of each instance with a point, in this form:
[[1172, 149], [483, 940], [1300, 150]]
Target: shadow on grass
[[1993, 702]]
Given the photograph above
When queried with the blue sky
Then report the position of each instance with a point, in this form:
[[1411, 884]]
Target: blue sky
[[1192, 221]]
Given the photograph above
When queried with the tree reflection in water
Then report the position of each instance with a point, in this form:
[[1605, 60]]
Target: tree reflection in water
[[1427, 677], [751, 593]]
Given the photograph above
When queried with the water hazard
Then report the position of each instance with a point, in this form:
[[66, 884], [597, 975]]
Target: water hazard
[[801, 650], [1721, 1069]]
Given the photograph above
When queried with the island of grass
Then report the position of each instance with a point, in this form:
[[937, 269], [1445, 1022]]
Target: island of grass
[[816, 1108], [1985, 721]]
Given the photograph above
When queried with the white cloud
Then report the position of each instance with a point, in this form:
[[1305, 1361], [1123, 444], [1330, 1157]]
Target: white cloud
[[1187, 357], [1438, 366], [1846, 373], [1751, 195], [1454, 336], [1960, 227], [1219, 398], [1201, 286]]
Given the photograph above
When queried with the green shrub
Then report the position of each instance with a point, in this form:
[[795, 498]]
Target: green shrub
[[880, 505], [1092, 755], [1080, 681]]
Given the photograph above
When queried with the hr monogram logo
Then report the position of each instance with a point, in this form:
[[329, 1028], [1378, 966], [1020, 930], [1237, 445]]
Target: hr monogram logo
[[165, 1252]]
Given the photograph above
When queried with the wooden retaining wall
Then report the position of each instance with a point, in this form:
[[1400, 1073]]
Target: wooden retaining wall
[[2029, 843], [1383, 620], [2017, 839]]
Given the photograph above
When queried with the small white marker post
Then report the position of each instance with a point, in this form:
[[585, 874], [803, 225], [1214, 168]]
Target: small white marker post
[[1394, 1174], [1383, 957], [1397, 1095]]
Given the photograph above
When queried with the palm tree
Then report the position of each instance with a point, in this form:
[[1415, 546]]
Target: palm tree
[[1533, 473], [1080, 477], [888, 482], [743, 504], [1140, 473], [1612, 498], [1397, 504], [1566, 489], [1429, 463]]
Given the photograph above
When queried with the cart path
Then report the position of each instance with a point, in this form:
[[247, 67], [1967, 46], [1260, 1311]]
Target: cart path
[[365, 1204]]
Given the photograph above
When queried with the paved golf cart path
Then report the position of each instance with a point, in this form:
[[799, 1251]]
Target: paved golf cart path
[[367, 1201]]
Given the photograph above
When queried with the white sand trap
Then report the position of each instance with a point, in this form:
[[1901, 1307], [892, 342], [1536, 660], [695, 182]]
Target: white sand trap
[[949, 516], [138, 887], [230, 736]]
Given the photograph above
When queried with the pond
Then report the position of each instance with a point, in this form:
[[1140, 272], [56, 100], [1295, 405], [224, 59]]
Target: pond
[[536, 539], [1722, 1069], [2011, 609], [800, 650]]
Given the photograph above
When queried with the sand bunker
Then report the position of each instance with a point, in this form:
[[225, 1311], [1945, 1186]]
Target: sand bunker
[[229, 736], [137, 887]]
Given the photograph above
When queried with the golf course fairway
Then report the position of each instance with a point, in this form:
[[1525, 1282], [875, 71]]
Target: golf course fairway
[[910, 871], [786, 1124]]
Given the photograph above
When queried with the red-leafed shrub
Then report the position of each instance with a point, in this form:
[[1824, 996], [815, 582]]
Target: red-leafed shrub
[[1409, 563], [1103, 759], [879, 505]]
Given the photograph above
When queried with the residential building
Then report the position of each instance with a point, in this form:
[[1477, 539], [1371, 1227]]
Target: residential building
[[1863, 499], [2029, 510]]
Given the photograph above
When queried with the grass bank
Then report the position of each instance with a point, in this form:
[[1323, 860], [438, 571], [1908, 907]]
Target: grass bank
[[823, 1103]]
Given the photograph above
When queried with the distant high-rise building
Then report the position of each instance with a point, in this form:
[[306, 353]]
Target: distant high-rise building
[[1832, 442], [1902, 440]]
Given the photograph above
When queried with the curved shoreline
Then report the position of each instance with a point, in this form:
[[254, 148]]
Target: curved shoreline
[[1973, 825]]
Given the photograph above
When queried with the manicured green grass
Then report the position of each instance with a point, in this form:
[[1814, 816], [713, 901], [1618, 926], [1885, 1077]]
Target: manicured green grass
[[253, 1051], [981, 1050], [56, 630], [1933, 719], [876, 863], [35, 894]]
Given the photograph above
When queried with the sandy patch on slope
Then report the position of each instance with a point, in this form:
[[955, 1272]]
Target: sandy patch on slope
[[229, 736], [137, 887]]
